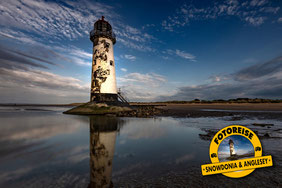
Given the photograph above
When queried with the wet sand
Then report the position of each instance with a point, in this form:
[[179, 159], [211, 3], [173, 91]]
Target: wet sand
[[173, 174], [261, 110], [190, 176]]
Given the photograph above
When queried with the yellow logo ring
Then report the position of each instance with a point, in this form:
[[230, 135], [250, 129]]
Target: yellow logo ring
[[220, 136]]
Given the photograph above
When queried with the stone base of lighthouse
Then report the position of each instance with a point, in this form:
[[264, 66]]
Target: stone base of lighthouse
[[104, 97]]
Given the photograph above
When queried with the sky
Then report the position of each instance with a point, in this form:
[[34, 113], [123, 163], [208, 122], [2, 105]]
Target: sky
[[165, 50]]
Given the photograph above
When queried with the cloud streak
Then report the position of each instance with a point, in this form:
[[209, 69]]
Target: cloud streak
[[129, 57], [43, 79], [259, 70], [31, 57], [257, 81], [31, 85], [142, 87], [254, 12], [10, 59], [50, 54], [123, 69], [68, 20], [179, 53]]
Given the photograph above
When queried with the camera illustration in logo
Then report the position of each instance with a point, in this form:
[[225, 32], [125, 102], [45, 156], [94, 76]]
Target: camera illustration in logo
[[258, 149], [213, 155]]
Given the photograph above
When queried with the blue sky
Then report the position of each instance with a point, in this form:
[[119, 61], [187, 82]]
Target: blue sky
[[165, 50]]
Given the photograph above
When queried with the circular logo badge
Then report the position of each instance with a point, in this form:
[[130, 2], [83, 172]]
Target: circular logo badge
[[232, 143]]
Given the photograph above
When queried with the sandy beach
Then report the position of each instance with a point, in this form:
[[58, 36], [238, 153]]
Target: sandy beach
[[232, 106], [261, 110]]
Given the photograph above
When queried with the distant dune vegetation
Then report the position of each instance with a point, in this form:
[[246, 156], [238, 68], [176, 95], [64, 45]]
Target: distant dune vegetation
[[238, 100]]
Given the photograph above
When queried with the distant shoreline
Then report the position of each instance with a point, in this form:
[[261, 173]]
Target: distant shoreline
[[184, 106], [226, 106], [55, 105]]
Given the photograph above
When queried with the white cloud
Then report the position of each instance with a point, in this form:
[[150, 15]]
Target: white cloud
[[49, 18], [142, 87], [43, 79], [254, 12], [80, 53], [148, 26], [256, 21], [257, 2], [217, 79], [280, 20], [273, 10], [71, 20], [132, 30], [132, 37], [123, 69], [67, 53], [149, 78], [131, 33], [129, 57], [38, 85], [182, 54], [261, 80], [80, 61], [19, 36], [134, 45]]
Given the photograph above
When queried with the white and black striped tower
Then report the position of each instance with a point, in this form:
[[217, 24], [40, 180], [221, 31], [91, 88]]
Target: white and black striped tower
[[103, 79]]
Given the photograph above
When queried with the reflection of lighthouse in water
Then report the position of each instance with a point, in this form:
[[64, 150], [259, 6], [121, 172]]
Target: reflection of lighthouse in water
[[102, 145], [232, 149]]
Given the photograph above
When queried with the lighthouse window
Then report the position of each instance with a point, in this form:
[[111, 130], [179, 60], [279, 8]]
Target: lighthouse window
[[112, 63]]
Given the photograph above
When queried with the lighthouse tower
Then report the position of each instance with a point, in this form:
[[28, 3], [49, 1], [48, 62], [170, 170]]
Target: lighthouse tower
[[231, 147], [103, 79]]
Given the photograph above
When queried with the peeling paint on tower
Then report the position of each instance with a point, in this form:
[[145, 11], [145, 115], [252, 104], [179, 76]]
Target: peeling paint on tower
[[103, 79]]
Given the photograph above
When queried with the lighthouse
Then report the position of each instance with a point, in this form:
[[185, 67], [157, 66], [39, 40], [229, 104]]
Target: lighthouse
[[231, 147], [103, 77]]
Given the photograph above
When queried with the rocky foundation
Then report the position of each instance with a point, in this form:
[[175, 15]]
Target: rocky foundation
[[116, 109]]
